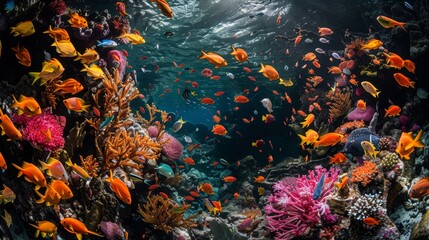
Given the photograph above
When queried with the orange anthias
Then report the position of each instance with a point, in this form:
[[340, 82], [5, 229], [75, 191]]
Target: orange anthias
[[229, 179], [189, 161], [3, 164], [77, 227], [239, 54], [32, 174], [44, 228], [420, 188], [394, 60], [407, 144], [70, 85], [269, 72], [259, 179], [337, 158], [371, 221], [403, 81], [329, 139], [119, 188], [392, 110], [76, 104], [308, 120], [164, 7], [23, 56], [207, 188], [241, 99], [219, 130], [27, 105], [214, 58]]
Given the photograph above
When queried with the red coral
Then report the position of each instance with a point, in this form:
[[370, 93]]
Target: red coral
[[365, 173]]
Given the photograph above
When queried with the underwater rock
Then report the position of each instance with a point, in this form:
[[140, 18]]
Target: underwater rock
[[353, 145], [221, 230], [421, 230], [111, 231]]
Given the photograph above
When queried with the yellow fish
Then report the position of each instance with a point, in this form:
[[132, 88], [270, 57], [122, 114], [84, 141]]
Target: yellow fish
[[50, 71], [369, 149], [78, 169], [27, 105], [370, 88], [269, 72], [164, 7], [58, 33], [23, 29], [51, 197], [44, 228], [308, 120], [65, 48], [372, 44], [309, 138], [94, 71], [133, 38], [286, 83], [88, 57]]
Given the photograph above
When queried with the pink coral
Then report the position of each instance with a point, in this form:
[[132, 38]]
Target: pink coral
[[58, 7], [172, 148], [43, 131], [359, 114], [291, 210], [111, 230], [153, 131]]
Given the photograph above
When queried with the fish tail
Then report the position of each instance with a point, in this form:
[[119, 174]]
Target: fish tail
[[41, 200], [234, 52], [303, 140], [401, 25], [49, 30], [19, 169], [412, 84], [85, 107], [79, 57], [35, 75], [69, 162], [262, 68], [385, 113], [15, 102], [13, 31], [44, 165], [204, 56], [316, 144], [94, 233], [85, 68]]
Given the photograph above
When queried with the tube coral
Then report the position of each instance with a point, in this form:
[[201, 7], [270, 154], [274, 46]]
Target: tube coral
[[291, 210]]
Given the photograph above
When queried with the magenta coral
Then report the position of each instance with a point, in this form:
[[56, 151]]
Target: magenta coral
[[153, 131], [44, 131], [291, 210], [111, 230], [172, 148], [359, 114]]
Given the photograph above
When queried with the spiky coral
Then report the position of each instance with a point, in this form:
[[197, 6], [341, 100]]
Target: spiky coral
[[91, 165], [347, 127], [162, 214], [341, 104], [365, 174], [123, 149], [291, 210]]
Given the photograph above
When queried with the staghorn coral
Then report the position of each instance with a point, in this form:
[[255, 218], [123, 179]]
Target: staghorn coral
[[347, 127], [161, 214], [365, 174], [123, 149], [341, 104], [91, 165]]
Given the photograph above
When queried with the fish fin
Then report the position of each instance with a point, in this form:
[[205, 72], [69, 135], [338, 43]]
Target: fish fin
[[69, 162], [35, 75], [303, 140], [79, 236], [79, 57], [204, 56], [234, 52], [41, 200], [401, 25], [43, 234], [262, 68], [94, 233], [44, 165], [37, 231]]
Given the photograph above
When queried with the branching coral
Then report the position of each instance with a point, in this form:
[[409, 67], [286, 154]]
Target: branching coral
[[365, 174], [161, 214], [347, 127], [341, 104], [123, 149], [368, 205], [91, 165], [291, 210]]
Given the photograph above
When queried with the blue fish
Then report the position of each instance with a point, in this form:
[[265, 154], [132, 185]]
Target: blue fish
[[106, 43], [353, 146], [9, 6], [319, 187], [165, 170], [408, 5], [106, 121]]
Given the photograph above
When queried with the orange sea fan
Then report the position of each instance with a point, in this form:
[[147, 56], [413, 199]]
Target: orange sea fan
[[365, 174]]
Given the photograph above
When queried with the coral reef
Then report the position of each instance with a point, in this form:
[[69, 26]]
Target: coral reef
[[365, 174], [341, 104]]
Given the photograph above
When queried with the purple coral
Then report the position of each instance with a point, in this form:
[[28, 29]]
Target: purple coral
[[359, 114], [111, 231], [43, 131], [172, 148], [117, 59], [58, 7], [291, 210]]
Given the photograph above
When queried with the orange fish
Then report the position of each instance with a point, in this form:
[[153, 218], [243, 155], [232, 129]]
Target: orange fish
[[51, 197], [55, 169], [44, 228], [77, 227], [215, 77], [76, 104], [403, 81], [27, 105], [361, 104], [392, 110], [324, 31], [229, 179], [189, 161], [410, 66], [343, 183], [406, 144], [31, 173], [310, 56], [8, 128], [389, 23], [77, 21], [371, 221], [259, 179], [308, 120], [119, 188], [58, 33], [194, 194], [239, 54], [394, 60], [189, 198], [164, 7], [241, 99], [420, 188], [214, 58], [236, 195], [269, 72], [62, 189], [316, 64], [219, 130], [297, 39], [335, 70], [329, 139], [69, 85], [251, 78], [246, 69], [216, 118], [120, 6], [78, 169], [206, 100], [337, 158], [153, 187], [218, 94], [3, 164], [207, 188], [23, 56]]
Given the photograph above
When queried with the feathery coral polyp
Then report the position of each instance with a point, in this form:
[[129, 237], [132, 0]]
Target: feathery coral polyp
[[365, 173]]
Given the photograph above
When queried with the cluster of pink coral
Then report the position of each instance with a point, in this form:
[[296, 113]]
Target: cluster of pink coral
[[44, 131], [291, 210], [59, 7], [172, 148]]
